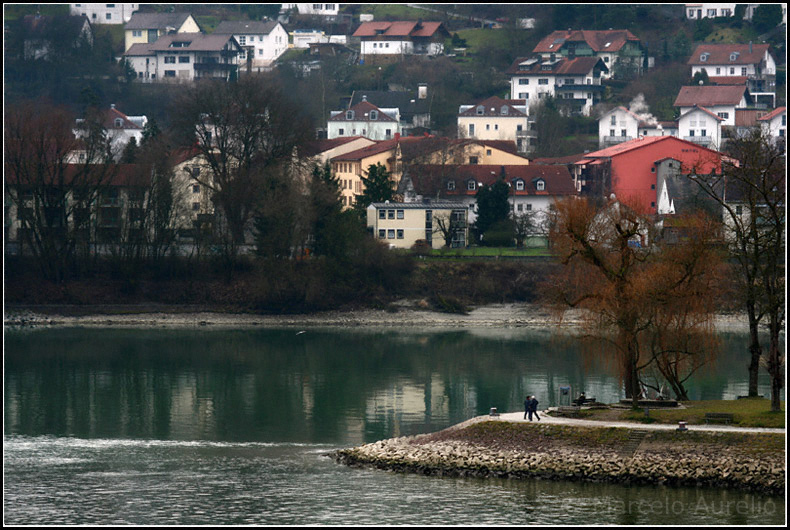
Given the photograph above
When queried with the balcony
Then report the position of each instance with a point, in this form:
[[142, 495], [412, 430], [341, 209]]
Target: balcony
[[701, 140], [612, 140]]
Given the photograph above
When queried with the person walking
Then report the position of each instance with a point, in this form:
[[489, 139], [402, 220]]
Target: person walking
[[527, 403], [533, 408]]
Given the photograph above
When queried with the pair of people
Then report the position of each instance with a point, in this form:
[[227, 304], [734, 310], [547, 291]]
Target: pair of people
[[531, 407]]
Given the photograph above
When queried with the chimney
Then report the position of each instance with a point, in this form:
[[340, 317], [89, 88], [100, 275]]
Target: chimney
[[112, 105], [422, 91], [750, 46]]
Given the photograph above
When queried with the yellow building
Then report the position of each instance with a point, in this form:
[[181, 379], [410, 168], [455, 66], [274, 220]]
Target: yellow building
[[402, 224], [146, 28]]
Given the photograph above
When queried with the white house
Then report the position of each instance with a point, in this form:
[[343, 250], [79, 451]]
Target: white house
[[616, 126], [576, 83], [185, 57], [496, 119], [105, 13], [364, 119], [321, 10], [751, 65], [700, 11], [720, 100], [775, 123], [120, 129], [401, 38], [701, 126], [261, 42]]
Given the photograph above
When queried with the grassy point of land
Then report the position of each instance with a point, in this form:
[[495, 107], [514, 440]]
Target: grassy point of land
[[749, 412]]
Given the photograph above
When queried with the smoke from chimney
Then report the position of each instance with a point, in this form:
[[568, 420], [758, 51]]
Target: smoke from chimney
[[642, 110]]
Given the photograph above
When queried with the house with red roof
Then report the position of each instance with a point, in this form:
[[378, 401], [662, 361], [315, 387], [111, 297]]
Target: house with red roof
[[775, 123], [617, 48], [721, 100], [750, 65], [399, 38], [701, 126], [119, 128], [575, 82], [364, 119], [633, 170]]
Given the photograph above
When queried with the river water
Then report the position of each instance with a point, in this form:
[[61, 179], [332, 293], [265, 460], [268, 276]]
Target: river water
[[149, 427]]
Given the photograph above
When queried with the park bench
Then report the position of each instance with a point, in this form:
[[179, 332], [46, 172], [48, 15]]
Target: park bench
[[718, 416], [579, 401]]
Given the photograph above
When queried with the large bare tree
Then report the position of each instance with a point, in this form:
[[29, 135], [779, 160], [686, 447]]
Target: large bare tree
[[751, 192], [246, 131], [648, 305], [53, 179]]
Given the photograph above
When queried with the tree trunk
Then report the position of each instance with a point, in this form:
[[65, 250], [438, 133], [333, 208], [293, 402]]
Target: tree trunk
[[755, 350], [775, 365]]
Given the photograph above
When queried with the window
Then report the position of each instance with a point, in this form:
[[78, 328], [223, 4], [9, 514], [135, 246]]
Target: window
[[520, 185], [451, 185], [718, 70], [739, 210], [195, 206], [732, 71], [704, 57], [691, 133], [109, 16], [488, 151], [400, 214], [137, 33], [242, 40], [341, 132], [724, 115], [540, 185], [382, 234], [196, 189], [622, 132], [350, 115], [390, 214], [382, 214], [470, 185], [184, 59], [374, 115], [523, 81], [703, 133], [504, 110], [611, 132], [391, 234], [118, 123], [471, 129], [712, 13], [473, 160], [170, 73], [529, 207], [614, 121], [480, 110], [170, 59], [488, 126], [743, 70], [543, 81], [400, 233]]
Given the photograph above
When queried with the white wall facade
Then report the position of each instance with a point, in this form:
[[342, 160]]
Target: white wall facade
[[699, 127], [105, 13], [617, 125]]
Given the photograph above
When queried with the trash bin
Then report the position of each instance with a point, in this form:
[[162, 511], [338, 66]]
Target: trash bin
[[493, 412], [682, 426]]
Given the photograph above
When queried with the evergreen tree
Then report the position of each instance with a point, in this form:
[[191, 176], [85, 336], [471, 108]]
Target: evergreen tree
[[492, 206], [378, 187]]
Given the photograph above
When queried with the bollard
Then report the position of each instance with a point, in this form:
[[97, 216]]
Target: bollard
[[682, 426]]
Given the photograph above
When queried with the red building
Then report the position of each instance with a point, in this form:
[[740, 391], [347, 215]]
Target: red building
[[636, 169]]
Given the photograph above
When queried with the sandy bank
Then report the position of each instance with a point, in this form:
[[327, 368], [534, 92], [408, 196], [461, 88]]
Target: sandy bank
[[403, 314]]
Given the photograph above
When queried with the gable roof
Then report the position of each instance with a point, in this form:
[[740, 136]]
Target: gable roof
[[638, 143], [235, 27], [719, 54], [600, 41], [198, 42], [773, 114], [400, 29], [563, 66], [696, 108], [557, 178], [362, 113], [38, 25], [156, 20], [406, 102], [710, 96], [493, 107]]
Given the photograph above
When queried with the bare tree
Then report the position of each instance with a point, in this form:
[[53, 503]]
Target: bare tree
[[244, 130], [649, 306], [53, 180], [751, 193]]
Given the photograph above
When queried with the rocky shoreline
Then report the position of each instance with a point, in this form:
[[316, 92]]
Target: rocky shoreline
[[407, 313], [707, 461]]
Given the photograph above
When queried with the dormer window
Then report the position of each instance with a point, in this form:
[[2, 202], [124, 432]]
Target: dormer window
[[450, 185], [471, 185], [118, 123], [704, 57], [480, 110], [374, 115], [349, 114], [519, 185], [503, 110], [540, 185], [734, 56]]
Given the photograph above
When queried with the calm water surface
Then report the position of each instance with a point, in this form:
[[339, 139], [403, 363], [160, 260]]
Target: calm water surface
[[233, 427]]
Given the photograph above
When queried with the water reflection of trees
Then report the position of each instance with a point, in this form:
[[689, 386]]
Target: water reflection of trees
[[277, 385]]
